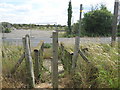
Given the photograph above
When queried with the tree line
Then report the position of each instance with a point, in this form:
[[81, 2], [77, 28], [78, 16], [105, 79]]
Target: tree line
[[35, 26], [8, 27]]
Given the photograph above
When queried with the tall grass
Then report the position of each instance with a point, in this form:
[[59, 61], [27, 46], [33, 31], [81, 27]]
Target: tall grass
[[105, 58], [102, 56], [10, 56]]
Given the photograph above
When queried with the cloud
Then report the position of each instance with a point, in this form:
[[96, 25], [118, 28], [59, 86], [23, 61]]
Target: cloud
[[12, 8], [38, 11]]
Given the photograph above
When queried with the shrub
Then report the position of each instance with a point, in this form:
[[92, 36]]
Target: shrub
[[47, 45], [7, 30]]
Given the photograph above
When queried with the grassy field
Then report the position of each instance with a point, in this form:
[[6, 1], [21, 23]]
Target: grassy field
[[102, 56]]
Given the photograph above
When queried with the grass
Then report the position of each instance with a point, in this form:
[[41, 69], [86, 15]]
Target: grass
[[10, 55], [102, 56], [47, 53], [105, 58]]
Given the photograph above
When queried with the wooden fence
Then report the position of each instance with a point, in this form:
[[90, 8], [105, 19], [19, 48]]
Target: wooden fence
[[38, 55], [59, 52], [66, 55]]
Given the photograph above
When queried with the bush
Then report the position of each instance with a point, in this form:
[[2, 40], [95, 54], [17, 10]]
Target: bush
[[47, 45], [7, 30]]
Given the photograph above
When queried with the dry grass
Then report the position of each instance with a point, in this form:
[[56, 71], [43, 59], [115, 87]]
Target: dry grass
[[10, 55], [102, 56], [47, 53], [105, 58]]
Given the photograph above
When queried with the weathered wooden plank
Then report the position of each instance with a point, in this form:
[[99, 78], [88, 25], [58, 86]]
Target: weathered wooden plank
[[29, 63], [18, 63], [55, 60], [38, 47], [83, 56]]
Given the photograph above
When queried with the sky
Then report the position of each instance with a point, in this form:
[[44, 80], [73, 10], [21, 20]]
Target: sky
[[45, 11]]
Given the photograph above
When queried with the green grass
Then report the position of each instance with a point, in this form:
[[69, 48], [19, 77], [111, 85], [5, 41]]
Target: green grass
[[47, 45]]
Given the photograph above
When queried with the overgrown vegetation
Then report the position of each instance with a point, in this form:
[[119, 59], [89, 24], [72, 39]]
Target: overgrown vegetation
[[102, 56], [105, 58], [10, 55], [47, 45]]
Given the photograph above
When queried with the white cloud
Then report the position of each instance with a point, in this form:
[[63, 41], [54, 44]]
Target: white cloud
[[34, 11]]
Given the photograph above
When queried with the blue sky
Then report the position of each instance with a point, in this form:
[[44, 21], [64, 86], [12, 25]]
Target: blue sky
[[45, 11]]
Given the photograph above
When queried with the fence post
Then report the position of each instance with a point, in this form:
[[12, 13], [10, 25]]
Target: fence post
[[41, 59], [38, 52], [114, 24], [37, 64], [55, 60], [77, 42], [29, 63]]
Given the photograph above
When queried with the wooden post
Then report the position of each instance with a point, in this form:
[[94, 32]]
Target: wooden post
[[38, 52], [83, 56], [66, 58], [37, 65], [29, 63], [114, 24], [55, 60], [1, 59], [18, 63], [41, 59], [77, 42]]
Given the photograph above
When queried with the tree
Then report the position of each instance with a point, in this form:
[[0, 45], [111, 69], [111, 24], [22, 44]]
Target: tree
[[98, 22], [6, 27], [69, 17], [118, 34]]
